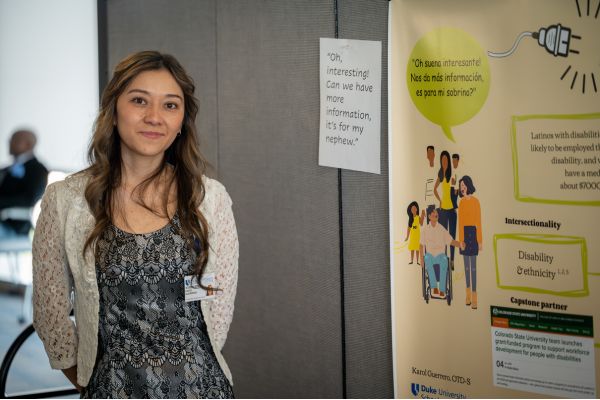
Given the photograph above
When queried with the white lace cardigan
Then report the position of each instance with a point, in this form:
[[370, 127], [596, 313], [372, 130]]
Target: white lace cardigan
[[60, 269]]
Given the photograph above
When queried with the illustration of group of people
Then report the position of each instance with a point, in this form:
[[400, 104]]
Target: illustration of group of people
[[430, 241]]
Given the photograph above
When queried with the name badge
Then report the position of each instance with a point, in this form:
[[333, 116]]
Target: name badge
[[194, 292]]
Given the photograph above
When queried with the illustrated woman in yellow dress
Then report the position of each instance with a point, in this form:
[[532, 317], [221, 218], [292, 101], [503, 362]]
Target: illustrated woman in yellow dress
[[415, 221]]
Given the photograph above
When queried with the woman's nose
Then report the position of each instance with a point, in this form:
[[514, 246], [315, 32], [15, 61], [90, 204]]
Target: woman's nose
[[152, 114]]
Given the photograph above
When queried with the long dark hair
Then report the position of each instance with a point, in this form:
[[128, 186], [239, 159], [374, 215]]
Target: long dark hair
[[410, 216], [183, 155], [448, 173]]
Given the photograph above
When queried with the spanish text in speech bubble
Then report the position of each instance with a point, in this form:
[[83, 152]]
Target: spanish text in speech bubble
[[448, 77]]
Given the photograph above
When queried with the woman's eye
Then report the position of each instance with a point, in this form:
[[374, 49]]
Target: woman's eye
[[171, 106], [138, 100]]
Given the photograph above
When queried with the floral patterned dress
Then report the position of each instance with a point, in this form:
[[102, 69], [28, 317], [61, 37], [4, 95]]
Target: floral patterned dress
[[152, 343]]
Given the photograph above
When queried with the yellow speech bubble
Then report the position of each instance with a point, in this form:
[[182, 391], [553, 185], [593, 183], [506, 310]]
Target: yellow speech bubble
[[448, 77]]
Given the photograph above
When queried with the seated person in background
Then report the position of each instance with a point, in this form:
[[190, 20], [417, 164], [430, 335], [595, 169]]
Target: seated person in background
[[434, 239], [22, 184]]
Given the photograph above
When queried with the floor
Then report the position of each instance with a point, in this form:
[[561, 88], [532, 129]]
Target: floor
[[30, 370]]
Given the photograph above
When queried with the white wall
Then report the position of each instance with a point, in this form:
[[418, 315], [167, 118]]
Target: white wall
[[49, 77]]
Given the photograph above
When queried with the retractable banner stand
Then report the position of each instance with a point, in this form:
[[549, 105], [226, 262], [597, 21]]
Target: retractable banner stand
[[494, 197]]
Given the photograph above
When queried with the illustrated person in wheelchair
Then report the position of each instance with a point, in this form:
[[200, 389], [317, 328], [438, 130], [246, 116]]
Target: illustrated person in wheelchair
[[434, 239]]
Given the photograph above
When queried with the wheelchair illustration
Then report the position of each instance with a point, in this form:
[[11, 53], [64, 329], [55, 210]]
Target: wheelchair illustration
[[446, 287]]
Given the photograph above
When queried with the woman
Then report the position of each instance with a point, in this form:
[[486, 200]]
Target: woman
[[447, 211], [124, 233], [470, 233], [413, 231]]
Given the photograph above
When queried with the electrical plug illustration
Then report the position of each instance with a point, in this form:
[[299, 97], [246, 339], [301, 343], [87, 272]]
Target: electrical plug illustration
[[556, 39]]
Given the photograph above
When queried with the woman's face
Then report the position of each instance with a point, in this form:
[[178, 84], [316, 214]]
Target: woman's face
[[444, 162], [463, 188], [149, 115], [413, 210]]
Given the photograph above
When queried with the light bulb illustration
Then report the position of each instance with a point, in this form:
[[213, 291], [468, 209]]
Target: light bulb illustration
[[556, 39]]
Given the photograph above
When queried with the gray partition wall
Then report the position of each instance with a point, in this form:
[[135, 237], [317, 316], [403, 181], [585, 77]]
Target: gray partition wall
[[366, 234], [312, 312]]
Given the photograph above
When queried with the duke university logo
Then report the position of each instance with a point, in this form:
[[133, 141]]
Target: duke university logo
[[414, 388]]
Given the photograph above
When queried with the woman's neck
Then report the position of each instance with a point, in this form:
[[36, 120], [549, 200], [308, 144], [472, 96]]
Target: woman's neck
[[157, 195], [136, 170]]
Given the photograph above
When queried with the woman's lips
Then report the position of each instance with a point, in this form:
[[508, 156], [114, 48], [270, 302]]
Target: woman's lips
[[152, 135]]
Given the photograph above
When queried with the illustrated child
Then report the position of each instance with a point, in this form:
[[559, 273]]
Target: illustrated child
[[415, 222]]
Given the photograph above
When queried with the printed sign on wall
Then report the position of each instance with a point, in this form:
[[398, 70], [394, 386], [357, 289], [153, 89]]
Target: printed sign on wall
[[350, 130]]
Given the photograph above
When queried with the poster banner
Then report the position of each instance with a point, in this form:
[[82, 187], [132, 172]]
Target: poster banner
[[494, 198]]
